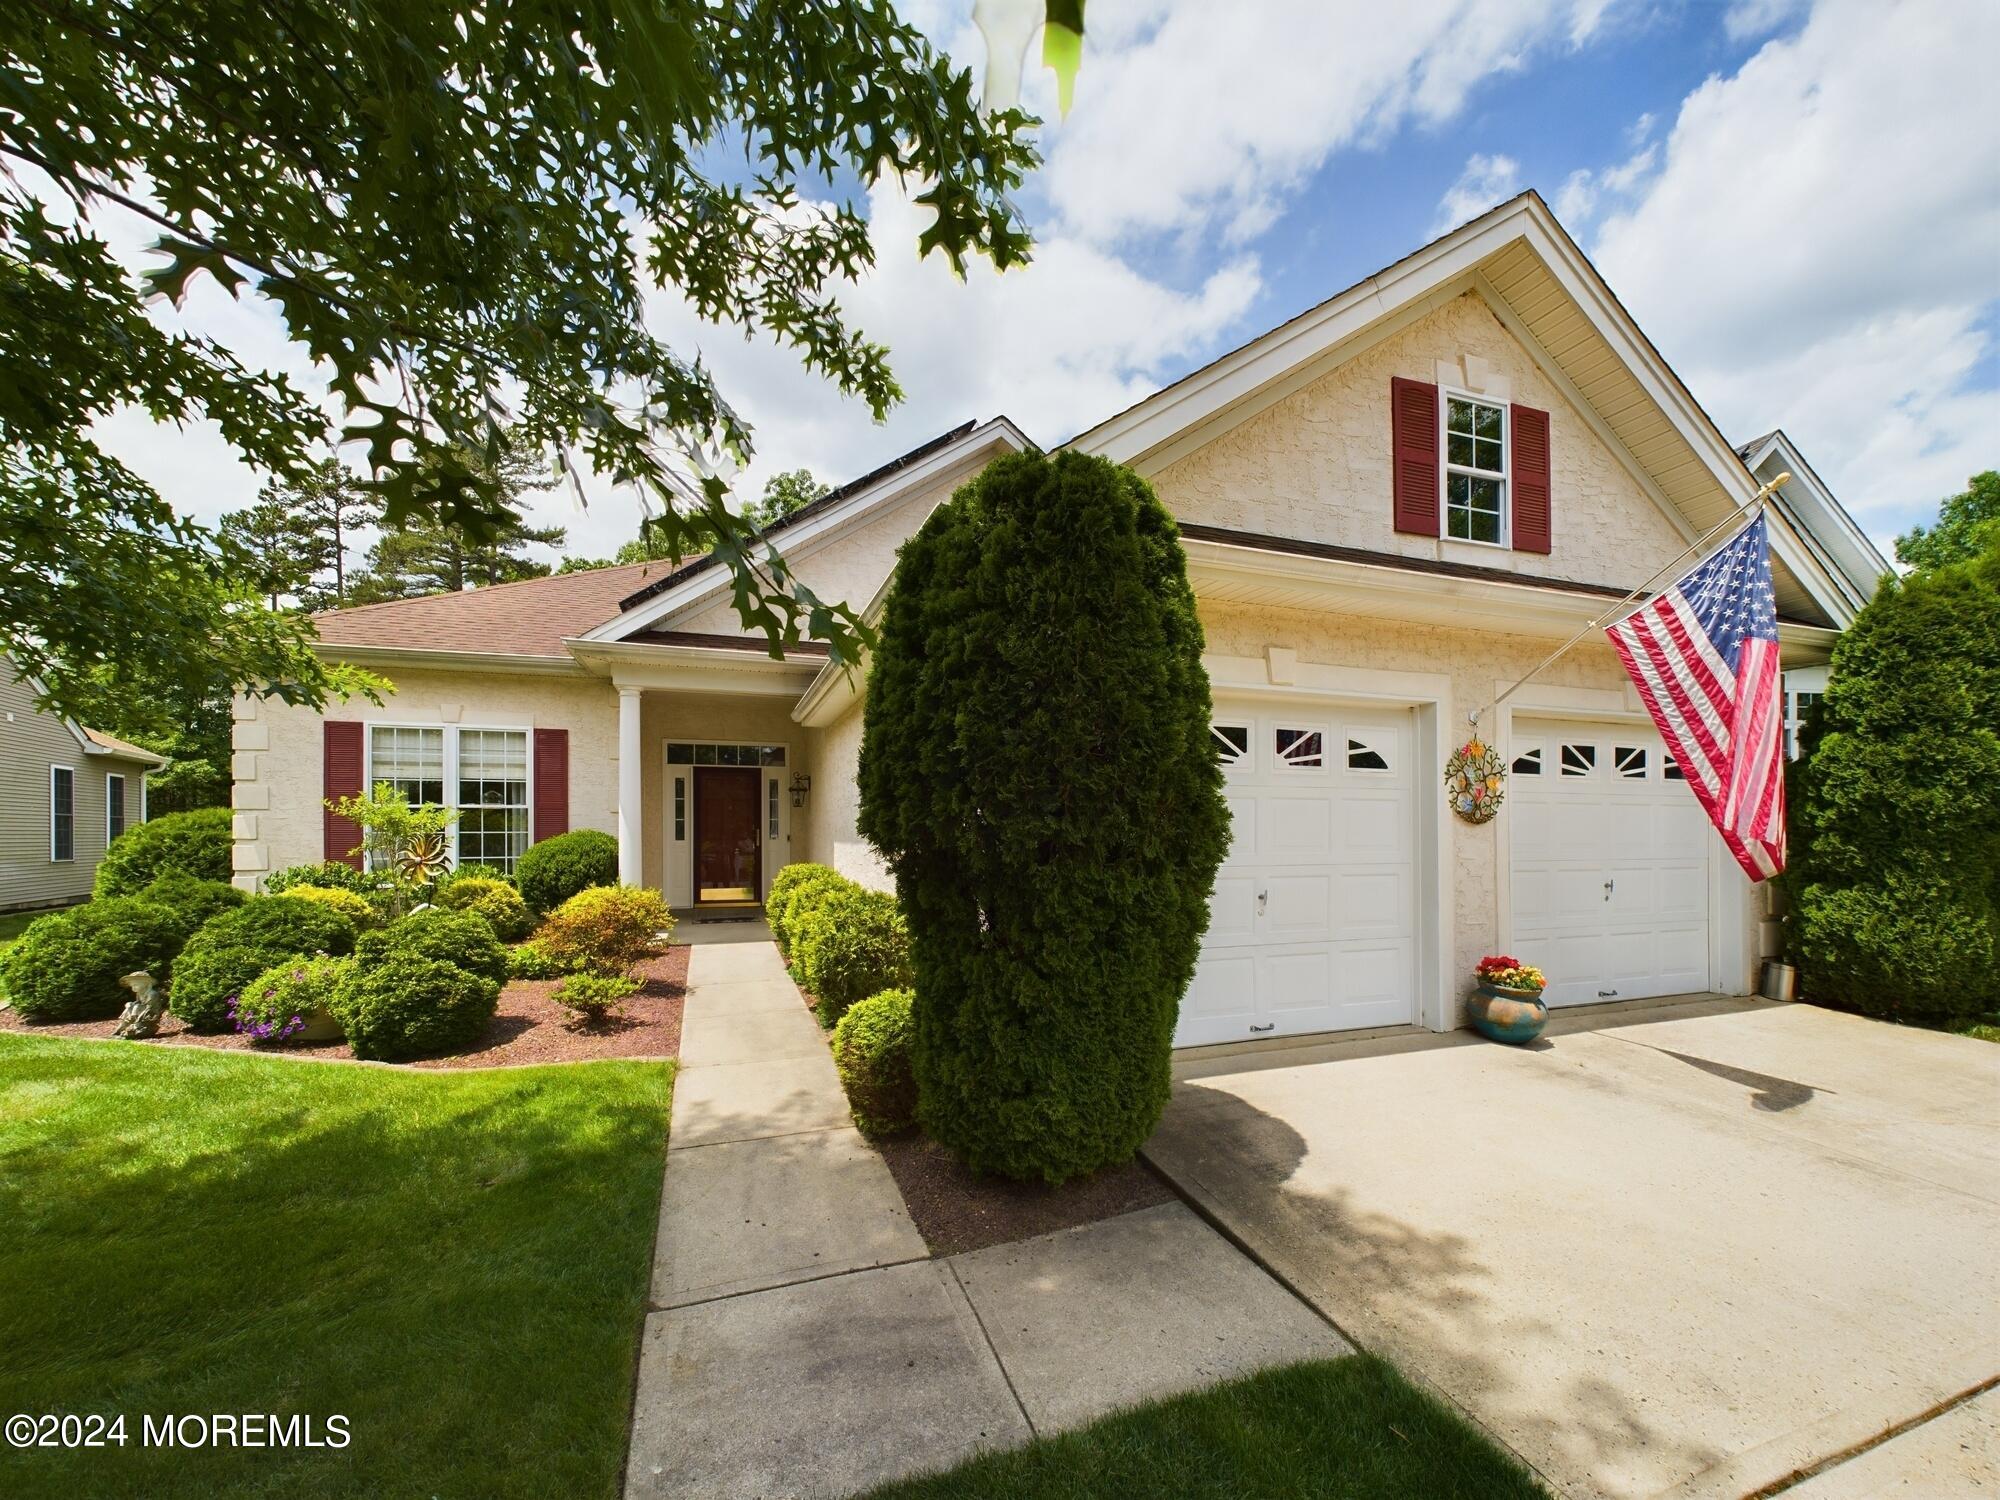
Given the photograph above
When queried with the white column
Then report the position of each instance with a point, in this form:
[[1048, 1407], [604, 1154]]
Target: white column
[[631, 858]]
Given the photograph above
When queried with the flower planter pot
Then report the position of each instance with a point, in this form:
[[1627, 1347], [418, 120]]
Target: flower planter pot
[[320, 1027], [1505, 1015]]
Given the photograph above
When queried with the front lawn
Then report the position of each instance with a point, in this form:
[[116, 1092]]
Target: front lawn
[[456, 1263], [1346, 1429]]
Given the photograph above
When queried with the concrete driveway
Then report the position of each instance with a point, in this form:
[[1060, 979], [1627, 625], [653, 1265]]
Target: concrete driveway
[[1695, 1249]]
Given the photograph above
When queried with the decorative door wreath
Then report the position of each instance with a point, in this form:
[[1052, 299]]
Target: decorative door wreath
[[1475, 781]]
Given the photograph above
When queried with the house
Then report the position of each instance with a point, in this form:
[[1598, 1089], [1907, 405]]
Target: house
[[69, 791], [1393, 506]]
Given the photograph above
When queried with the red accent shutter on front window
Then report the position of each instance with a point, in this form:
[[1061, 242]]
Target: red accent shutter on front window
[[1413, 446], [340, 776], [551, 783], [1531, 479]]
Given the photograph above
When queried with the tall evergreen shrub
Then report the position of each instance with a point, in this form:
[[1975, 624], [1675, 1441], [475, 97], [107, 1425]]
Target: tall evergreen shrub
[[1895, 874], [1036, 768]]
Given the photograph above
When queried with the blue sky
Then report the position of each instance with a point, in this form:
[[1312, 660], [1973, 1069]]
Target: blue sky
[[1799, 200]]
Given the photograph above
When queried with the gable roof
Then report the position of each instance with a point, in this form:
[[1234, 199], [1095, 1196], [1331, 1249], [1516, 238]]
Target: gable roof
[[1809, 503], [1522, 264], [90, 741], [528, 618]]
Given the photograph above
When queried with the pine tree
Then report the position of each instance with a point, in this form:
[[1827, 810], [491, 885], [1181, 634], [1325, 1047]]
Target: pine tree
[[427, 557], [270, 546], [331, 503]]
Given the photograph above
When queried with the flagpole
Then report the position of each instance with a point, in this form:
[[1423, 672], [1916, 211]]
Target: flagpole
[[1609, 615]]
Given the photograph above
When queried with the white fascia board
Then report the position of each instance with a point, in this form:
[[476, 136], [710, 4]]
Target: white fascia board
[[692, 669], [388, 658], [1820, 511], [797, 541]]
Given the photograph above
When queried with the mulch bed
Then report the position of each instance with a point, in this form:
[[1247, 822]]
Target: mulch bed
[[955, 1211], [529, 1027]]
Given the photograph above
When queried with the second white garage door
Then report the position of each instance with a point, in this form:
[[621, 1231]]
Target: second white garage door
[[1312, 926]]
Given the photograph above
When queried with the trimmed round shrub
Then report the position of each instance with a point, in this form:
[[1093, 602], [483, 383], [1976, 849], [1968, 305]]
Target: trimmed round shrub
[[1895, 871], [192, 843], [405, 1005], [1037, 769], [357, 908], [192, 900], [232, 949], [606, 929], [871, 1048], [66, 966], [529, 961], [849, 944], [280, 1002], [447, 937], [495, 900], [590, 998], [551, 872], [792, 888], [330, 874]]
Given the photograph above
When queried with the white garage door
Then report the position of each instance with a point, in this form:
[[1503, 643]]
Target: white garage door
[[1312, 926], [1610, 863]]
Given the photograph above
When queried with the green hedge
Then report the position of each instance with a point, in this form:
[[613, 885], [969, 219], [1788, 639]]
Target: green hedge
[[791, 885], [460, 939], [235, 947], [66, 966], [848, 943], [1895, 877], [551, 872], [406, 1005], [192, 900], [871, 1048], [1037, 768], [191, 843]]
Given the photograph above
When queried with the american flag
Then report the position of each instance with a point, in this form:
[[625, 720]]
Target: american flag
[[1704, 655]]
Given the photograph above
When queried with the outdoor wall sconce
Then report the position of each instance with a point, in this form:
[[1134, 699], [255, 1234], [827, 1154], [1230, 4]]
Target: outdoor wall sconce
[[801, 784]]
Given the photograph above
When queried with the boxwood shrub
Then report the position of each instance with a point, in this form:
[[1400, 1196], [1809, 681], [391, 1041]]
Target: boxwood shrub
[[450, 937], [193, 843], [352, 905], [495, 900], [235, 947], [66, 966], [871, 1048], [847, 945], [1037, 768], [551, 872], [192, 900], [791, 887], [405, 1005], [1895, 875]]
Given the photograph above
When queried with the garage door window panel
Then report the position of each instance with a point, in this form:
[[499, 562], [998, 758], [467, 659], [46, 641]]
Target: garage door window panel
[[1300, 749], [1232, 745], [1366, 757], [1579, 759], [1529, 762]]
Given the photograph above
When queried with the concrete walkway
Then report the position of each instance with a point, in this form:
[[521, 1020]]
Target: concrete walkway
[[803, 1343]]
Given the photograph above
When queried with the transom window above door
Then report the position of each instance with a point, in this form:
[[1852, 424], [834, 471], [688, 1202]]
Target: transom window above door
[[679, 754], [1475, 470]]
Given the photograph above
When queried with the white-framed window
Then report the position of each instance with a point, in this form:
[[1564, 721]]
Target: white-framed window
[[482, 772], [1475, 469], [114, 807], [1797, 706], [680, 809], [62, 814]]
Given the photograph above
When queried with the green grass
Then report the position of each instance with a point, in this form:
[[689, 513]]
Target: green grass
[[1985, 1031], [14, 923], [1328, 1430], [455, 1262]]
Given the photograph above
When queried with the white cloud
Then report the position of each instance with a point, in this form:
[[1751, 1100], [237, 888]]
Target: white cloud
[[1818, 248], [1486, 180], [1578, 198], [1748, 18]]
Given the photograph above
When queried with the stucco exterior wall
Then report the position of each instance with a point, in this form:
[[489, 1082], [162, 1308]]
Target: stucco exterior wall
[[835, 805], [30, 743], [1316, 464], [279, 763], [1474, 663]]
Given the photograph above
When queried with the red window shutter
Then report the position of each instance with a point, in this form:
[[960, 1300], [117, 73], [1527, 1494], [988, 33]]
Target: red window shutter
[[1413, 444], [340, 776], [1530, 429], [551, 783]]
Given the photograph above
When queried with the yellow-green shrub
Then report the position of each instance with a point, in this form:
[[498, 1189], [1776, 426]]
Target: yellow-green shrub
[[605, 929]]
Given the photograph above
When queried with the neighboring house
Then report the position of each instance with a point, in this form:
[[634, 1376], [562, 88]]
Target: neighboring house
[[69, 792], [1822, 524], [1393, 506]]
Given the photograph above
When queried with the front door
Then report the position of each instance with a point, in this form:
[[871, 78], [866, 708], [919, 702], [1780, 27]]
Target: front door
[[727, 852]]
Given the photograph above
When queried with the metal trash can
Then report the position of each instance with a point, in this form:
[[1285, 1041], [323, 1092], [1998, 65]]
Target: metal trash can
[[1781, 981]]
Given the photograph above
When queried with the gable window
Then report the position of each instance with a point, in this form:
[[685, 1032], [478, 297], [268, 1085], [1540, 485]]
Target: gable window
[[62, 813], [1475, 470], [114, 807]]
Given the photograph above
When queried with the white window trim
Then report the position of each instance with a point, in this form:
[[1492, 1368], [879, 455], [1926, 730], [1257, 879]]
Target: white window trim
[[123, 789], [1505, 474], [54, 858], [451, 734], [142, 802]]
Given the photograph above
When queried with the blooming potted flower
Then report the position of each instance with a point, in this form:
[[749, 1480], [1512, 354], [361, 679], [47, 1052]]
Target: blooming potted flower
[[1507, 1006]]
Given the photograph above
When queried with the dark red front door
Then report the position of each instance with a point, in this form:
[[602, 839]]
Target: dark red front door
[[727, 851]]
